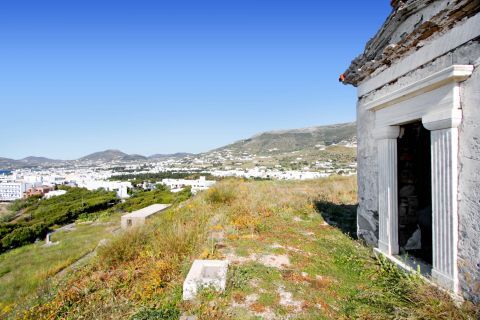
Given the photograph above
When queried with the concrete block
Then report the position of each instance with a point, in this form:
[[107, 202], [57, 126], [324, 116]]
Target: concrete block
[[205, 273]]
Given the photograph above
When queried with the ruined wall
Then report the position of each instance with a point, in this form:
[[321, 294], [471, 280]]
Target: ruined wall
[[469, 181], [409, 27]]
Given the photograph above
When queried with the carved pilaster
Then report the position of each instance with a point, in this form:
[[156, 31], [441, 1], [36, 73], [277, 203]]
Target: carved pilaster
[[444, 145], [387, 188]]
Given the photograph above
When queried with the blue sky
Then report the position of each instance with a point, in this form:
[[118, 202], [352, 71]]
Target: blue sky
[[165, 76]]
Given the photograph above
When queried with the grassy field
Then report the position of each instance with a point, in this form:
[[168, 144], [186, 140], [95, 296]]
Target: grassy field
[[286, 263], [5, 213], [30, 270]]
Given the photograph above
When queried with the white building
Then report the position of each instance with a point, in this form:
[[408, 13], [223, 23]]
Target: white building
[[137, 218], [121, 187], [10, 191], [54, 193], [196, 185]]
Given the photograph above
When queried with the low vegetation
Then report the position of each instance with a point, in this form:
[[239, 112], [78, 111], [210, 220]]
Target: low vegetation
[[156, 177], [32, 269], [286, 262], [29, 272], [141, 199], [35, 216]]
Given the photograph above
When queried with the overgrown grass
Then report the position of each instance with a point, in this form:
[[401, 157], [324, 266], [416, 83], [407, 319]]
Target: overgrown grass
[[328, 275], [6, 214], [41, 215], [26, 270]]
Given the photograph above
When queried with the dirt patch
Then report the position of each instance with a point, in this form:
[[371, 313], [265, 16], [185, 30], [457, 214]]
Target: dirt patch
[[275, 261], [309, 234], [317, 282], [251, 303], [286, 300], [290, 248], [279, 261], [257, 307]]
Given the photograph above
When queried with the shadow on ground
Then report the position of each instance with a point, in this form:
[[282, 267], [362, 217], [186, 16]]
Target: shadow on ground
[[342, 216]]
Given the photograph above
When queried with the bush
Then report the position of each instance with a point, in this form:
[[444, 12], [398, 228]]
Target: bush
[[168, 313], [124, 247], [24, 235], [40, 214], [142, 199], [221, 195], [6, 228], [20, 204]]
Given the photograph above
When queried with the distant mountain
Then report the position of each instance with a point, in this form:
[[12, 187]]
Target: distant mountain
[[6, 163], [112, 155], [134, 157], [282, 141], [170, 156], [101, 156], [267, 143], [38, 160]]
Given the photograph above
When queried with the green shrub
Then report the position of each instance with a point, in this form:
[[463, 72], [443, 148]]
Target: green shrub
[[168, 313], [124, 247], [6, 228], [41, 214], [24, 235], [142, 199], [221, 195], [20, 204]]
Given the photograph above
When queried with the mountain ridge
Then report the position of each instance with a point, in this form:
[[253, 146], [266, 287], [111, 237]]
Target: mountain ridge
[[295, 139], [268, 142]]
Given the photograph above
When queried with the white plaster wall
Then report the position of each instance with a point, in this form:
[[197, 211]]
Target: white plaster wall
[[469, 183], [469, 163], [367, 212]]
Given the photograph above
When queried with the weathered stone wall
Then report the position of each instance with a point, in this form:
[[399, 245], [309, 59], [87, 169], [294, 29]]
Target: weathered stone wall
[[408, 28], [367, 212], [469, 181]]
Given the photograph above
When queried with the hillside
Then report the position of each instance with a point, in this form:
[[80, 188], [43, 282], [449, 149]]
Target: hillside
[[295, 139], [177, 155], [6, 163], [286, 262], [320, 143], [111, 155], [32, 264]]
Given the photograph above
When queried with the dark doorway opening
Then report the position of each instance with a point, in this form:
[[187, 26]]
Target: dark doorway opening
[[415, 192]]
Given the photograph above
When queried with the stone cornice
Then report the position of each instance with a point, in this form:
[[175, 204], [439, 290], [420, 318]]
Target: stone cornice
[[454, 73], [453, 38]]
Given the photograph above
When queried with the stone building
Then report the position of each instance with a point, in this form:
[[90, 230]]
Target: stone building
[[418, 118], [139, 217]]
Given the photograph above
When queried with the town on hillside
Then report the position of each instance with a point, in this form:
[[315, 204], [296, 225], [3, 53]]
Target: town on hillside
[[373, 219]]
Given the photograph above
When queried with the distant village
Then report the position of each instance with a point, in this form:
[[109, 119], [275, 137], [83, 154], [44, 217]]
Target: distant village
[[92, 175]]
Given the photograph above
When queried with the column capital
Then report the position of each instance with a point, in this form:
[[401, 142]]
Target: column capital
[[386, 132], [442, 120]]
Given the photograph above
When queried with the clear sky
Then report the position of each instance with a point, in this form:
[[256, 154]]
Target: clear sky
[[166, 76]]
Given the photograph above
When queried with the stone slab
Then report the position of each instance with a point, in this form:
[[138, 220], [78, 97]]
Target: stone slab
[[205, 273]]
